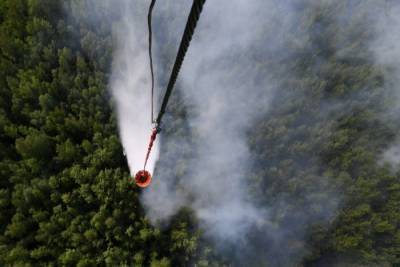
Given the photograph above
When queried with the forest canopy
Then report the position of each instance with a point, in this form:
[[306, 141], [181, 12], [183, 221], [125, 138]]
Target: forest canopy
[[66, 198]]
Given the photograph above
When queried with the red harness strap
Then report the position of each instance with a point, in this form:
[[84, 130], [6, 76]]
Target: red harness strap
[[153, 137]]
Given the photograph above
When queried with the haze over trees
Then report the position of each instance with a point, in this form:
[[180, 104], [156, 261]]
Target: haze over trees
[[65, 195]]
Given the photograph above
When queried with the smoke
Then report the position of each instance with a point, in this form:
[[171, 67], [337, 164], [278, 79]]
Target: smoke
[[220, 85], [386, 51], [229, 82], [130, 85]]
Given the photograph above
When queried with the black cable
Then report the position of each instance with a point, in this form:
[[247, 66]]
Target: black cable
[[151, 59], [186, 38]]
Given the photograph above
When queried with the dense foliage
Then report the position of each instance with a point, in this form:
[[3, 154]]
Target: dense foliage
[[65, 199]]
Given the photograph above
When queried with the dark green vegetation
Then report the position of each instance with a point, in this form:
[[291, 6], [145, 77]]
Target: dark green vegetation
[[65, 199]]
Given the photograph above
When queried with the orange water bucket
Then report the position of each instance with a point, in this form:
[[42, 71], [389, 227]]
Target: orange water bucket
[[143, 178]]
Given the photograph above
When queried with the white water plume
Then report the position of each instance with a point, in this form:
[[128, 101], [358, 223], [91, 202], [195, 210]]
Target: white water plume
[[130, 87]]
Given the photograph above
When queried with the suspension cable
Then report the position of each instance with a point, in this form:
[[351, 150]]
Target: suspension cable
[[151, 58], [183, 47], [191, 23]]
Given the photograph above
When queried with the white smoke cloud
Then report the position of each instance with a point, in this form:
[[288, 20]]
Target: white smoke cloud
[[386, 50], [225, 92], [392, 155], [218, 83]]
